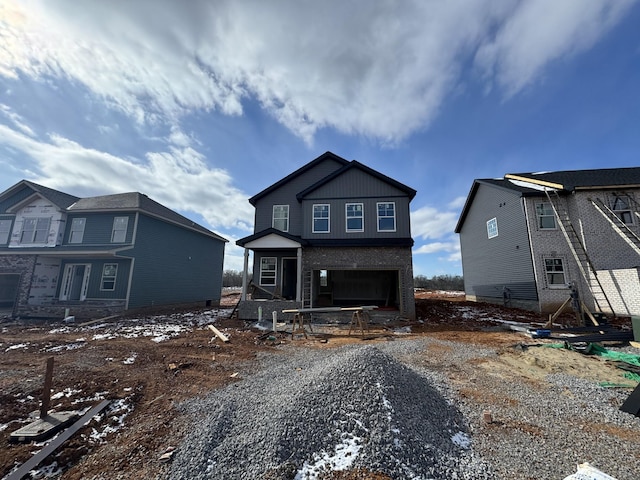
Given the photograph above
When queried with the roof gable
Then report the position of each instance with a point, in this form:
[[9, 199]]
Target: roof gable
[[355, 165], [25, 190], [327, 156]]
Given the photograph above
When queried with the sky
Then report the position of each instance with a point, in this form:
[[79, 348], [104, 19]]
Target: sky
[[202, 104]]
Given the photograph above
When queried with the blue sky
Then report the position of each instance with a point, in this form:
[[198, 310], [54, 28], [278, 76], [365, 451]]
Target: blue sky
[[202, 104]]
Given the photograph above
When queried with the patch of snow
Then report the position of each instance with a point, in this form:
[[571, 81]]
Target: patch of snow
[[68, 346], [115, 414], [462, 440], [131, 359], [67, 392], [343, 457], [104, 336], [17, 346], [402, 330]]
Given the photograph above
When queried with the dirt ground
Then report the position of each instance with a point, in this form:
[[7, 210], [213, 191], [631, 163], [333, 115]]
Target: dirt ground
[[146, 371]]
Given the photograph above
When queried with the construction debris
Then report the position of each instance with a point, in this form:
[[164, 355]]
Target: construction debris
[[218, 333]]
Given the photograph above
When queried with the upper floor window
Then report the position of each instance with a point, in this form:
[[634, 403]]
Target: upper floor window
[[109, 274], [119, 231], [321, 218], [268, 271], [621, 206], [355, 217], [5, 230], [554, 269], [77, 230], [546, 216], [492, 228], [35, 230], [281, 218], [387, 217]]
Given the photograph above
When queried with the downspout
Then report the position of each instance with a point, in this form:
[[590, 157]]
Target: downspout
[[299, 280]]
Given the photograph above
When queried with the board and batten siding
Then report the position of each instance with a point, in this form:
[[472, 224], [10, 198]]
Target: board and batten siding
[[174, 265], [355, 186], [491, 264], [286, 195]]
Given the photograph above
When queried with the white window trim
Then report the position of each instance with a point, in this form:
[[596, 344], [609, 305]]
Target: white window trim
[[346, 218], [313, 220], [103, 277], [539, 216], [79, 231], [32, 241], [619, 212], [274, 271], [273, 217], [555, 286], [379, 217], [114, 231], [490, 233]]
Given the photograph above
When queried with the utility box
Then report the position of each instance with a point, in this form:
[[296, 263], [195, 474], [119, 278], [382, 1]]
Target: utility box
[[635, 324]]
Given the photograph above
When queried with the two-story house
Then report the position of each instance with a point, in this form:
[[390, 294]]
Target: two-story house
[[99, 256], [332, 233], [527, 238]]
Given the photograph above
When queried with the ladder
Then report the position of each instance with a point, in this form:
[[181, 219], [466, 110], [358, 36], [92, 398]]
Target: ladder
[[578, 251], [618, 225], [306, 289]]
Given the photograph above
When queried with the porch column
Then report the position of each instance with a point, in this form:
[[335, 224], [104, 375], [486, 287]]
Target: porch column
[[243, 296], [299, 282]]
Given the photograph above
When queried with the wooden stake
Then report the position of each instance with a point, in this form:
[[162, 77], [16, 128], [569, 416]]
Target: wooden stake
[[46, 391]]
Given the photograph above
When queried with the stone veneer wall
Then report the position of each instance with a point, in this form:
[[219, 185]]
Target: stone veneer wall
[[248, 309], [367, 258], [23, 265]]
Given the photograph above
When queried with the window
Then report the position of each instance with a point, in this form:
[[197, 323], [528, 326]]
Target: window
[[281, 218], [5, 230], [355, 217], [546, 216], [324, 278], [621, 206], [109, 274], [268, 271], [387, 217], [119, 232], [77, 230], [35, 230], [321, 219], [555, 272], [492, 228]]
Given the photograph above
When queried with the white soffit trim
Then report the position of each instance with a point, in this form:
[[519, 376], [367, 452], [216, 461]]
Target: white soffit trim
[[272, 241]]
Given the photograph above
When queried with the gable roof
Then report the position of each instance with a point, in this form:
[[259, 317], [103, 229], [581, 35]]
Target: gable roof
[[59, 199], [325, 156], [563, 180], [270, 231], [132, 201], [354, 164]]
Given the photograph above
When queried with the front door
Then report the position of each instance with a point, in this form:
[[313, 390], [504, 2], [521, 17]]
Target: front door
[[75, 281], [289, 278]]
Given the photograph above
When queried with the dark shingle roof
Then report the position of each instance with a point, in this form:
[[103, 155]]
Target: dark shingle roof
[[584, 179]]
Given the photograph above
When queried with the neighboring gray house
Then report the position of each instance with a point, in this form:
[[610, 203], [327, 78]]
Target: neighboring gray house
[[526, 237], [332, 233], [100, 256]]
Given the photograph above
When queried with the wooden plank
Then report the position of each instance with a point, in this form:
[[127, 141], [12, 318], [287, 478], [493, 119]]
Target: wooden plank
[[34, 461], [220, 335], [98, 320]]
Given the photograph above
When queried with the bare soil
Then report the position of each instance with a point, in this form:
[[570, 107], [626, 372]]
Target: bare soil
[[149, 378]]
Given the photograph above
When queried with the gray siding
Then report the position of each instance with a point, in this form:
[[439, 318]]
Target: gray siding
[[355, 186], [95, 278], [164, 273], [98, 228], [491, 264], [286, 195], [17, 197]]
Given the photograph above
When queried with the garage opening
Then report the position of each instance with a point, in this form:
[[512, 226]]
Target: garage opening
[[343, 288], [8, 289]]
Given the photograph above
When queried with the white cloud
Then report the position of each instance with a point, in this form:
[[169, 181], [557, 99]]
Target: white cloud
[[379, 69], [431, 223], [178, 178], [541, 31]]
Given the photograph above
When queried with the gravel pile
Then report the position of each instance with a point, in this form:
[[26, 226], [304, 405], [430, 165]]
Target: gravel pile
[[386, 409], [309, 411]]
